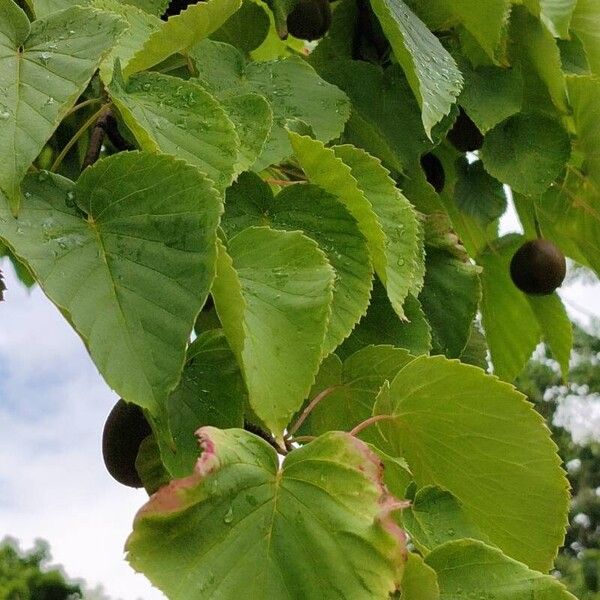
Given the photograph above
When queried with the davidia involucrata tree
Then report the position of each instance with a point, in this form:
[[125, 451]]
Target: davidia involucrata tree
[[275, 227]]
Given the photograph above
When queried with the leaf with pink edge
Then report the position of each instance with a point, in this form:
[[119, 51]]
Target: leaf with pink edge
[[319, 526]]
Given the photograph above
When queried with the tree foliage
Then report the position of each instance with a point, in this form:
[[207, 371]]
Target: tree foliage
[[27, 576], [281, 247]]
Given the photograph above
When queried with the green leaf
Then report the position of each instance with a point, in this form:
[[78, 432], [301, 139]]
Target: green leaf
[[44, 69], [556, 327], [253, 119], [556, 16], [485, 20], [477, 194], [527, 152], [385, 217], [419, 581], [318, 527], [491, 94], [263, 268], [181, 32], [431, 71], [354, 389], [436, 517], [381, 325], [246, 29], [450, 299], [469, 567], [455, 426], [211, 392], [476, 351], [149, 466], [584, 94], [385, 118], [323, 218], [180, 118], [128, 255], [530, 318], [291, 86], [569, 217], [141, 26], [586, 24], [536, 49]]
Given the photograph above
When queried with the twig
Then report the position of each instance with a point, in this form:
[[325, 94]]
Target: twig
[[311, 406], [370, 422], [83, 105]]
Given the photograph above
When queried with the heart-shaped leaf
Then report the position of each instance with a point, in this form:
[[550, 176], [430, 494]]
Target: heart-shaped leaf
[[128, 255], [318, 527]]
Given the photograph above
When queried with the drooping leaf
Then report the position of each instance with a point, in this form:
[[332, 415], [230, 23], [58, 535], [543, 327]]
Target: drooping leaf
[[584, 94], [318, 527], [253, 119], [491, 94], [381, 325], [436, 517], [141, 25], [556, 327], [486, 21], [526, 151], [211, 392], [246, 29], [477, 194], [384, 215], [385, 118], [555, 14], [531, 319], [430, 69], [450, 300], [291, 86], [419, 581], [261, 268], [181, 32], [469, 567], [586, 24], [179, 118], [570, 217], [324, 219], [44, 8], [537, 51], [128, 256], [455, 426], [44, 68]]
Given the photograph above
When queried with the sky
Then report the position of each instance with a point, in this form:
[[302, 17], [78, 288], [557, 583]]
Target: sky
[[53, 404]]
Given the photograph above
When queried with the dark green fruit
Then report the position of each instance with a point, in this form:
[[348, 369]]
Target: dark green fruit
[[538, 267], [124, 431], [309, 19], [434, 171], [464, 135]]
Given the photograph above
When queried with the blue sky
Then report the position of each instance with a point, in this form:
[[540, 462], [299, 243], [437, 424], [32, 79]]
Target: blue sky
[[53, 404]]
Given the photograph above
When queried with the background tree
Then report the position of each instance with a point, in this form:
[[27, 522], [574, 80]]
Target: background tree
[[27, 575]]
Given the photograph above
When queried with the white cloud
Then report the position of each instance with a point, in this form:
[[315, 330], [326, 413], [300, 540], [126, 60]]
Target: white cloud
[[53, 405]]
